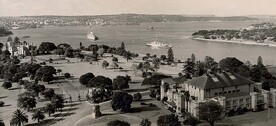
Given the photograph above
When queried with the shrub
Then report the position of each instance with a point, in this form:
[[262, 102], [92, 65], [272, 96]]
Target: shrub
[[192, 121], [7, 85], [137, 97], [2, 103], [67, 75]]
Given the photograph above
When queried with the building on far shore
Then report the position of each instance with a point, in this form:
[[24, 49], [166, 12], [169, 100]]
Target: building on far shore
[[17, 48], [229, 89]]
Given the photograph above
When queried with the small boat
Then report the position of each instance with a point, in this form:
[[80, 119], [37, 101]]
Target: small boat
[[156, 44], [91, 36]]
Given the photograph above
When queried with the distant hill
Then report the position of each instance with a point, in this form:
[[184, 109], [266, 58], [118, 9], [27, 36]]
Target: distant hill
[[153, 18]]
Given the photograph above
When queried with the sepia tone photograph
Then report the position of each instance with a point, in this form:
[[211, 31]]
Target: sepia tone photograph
[[137, 63]]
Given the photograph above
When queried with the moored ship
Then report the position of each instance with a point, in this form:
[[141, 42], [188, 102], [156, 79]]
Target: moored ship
[[156, 44]]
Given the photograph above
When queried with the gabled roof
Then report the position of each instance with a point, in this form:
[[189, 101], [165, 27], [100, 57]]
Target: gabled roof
[[213, 81]]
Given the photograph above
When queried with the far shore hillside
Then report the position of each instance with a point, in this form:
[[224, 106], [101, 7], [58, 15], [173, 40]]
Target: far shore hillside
[[266, 43]]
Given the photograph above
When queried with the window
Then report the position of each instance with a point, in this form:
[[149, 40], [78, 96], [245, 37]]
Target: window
[[220, 93], [234, 101], [247, 105], [233, 91], [225, 92], [247, 99], [238, 90], [229, 92], [227, 103], [241, 100], [216, 94], [234, 107]]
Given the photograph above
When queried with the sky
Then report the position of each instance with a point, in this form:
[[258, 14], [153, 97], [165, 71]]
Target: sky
[[104, 7]]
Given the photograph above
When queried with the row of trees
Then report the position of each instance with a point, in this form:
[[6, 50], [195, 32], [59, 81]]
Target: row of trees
[[119, 83]]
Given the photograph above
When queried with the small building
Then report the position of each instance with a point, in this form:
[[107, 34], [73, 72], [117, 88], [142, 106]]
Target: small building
[[231, 90]]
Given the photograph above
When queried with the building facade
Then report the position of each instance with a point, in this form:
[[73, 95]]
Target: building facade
[[17, 48], [229, 89]]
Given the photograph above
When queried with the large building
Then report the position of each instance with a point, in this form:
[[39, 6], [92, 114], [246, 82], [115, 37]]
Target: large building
[[229, 89], [17, 48]]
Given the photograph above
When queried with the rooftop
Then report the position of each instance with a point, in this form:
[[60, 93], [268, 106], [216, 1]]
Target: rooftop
[[219, 80]]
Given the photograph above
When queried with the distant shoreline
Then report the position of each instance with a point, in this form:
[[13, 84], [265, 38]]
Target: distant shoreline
[[270, 44]]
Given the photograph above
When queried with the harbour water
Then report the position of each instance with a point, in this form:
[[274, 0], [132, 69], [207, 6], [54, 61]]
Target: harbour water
[[136, 37]]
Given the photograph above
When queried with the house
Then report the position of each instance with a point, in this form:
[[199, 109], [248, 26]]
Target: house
[[229, 89]]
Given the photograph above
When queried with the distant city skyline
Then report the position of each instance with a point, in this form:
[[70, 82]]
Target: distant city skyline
[[105, 7]]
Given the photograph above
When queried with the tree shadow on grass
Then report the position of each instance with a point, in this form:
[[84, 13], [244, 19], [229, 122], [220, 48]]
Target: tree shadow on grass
[[143, 108], [69, 109], [6, 105], [45, 122], [14, 88], [73, 104], [3, 97], [136, 90], [64, 114]]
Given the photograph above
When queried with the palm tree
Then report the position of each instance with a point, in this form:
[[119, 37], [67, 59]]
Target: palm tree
[[49, 108], [187, 98], [19, 118], [26, 102], [38, 115], [58, 101]]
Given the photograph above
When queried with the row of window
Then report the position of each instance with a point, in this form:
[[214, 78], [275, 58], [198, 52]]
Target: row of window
[[241, 101], [235, 106], [225, 92]]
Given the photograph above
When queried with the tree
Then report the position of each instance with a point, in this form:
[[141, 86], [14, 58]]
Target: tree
[[170, 55], [121, 101], [26, 102], [230, 63], [59, 70], [16, 39], [69, 52], [137, 96], [193, 58], [145, 122], [163, 57], [2, 103], [168, 120], [50, 109], [38, 115], [115, 59], [19, 118], [85, 78], [210, 111], [7, 85], [57, 102], [156, 63], [48, 93], [9, 39], [260, 61], [47, 78], [154, 80], [192, 121], [46, 47], [45, 71], [105, 64], [117, 123], [100, 81], [120, 83], [123, 46], [146, 66], [67, 75]]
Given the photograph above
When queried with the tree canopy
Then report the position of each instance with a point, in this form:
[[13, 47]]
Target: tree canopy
[[210, 111], [121, 101]]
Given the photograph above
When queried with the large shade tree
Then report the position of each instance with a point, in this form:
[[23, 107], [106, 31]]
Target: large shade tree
[[120, 83], [121, 101], [46, 47], [84, 79], [50, 109]]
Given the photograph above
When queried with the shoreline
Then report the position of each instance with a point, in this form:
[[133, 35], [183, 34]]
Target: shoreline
[[236, 42]]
